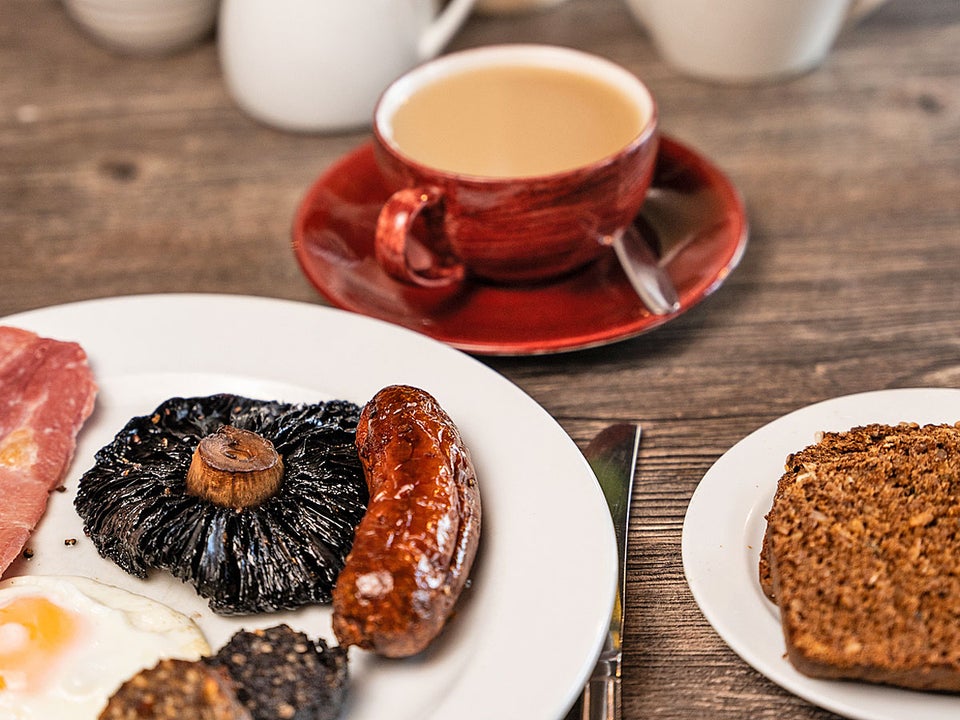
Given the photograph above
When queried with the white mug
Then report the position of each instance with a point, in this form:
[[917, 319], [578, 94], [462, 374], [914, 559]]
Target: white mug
[[746, 40], [320, 65]]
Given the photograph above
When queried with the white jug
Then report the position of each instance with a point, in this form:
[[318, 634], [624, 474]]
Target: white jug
[[320, 65], [746, 40]]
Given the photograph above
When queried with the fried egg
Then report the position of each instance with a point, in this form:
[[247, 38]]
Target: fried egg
[[67, 643]]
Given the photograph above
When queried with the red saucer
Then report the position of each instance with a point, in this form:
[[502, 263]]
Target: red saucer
[[692, 212]]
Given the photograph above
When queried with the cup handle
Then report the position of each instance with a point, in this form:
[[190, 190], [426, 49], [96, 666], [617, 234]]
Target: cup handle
[[439, 32], [435, 264]]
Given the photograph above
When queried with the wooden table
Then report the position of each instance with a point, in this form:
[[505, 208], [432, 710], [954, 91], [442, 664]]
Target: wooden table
[[121, 176]]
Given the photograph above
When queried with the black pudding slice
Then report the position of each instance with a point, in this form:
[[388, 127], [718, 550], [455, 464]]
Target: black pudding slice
[[282, 674]]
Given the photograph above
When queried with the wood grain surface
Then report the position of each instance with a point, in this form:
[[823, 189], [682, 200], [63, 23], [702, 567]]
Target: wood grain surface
[[124, 175]]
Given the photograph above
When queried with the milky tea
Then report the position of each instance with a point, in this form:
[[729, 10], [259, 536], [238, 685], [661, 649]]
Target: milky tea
[[515, 121]]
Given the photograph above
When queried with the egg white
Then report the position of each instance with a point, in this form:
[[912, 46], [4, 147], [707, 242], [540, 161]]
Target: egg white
[[120, 633]]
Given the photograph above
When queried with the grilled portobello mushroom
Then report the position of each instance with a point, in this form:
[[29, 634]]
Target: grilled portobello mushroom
[[253, 502]]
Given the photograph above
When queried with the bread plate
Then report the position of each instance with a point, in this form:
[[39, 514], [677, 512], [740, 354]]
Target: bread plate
[[723, 532]]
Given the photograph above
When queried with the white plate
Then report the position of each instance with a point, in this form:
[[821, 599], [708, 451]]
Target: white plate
[[723, 531], [528, 630]]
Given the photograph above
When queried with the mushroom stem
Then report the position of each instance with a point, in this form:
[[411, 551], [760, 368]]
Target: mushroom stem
[[234, 468]]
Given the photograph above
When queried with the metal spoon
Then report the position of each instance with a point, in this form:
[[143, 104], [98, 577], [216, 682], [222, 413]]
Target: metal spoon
[[648, 278]]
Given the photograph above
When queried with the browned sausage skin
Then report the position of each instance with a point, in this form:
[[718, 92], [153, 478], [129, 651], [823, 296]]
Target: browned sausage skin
[[415, 545]]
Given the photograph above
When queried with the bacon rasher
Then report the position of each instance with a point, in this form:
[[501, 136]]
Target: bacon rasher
[[47, 391]]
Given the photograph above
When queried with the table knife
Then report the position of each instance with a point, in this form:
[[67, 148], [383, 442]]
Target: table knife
[[613, 457]]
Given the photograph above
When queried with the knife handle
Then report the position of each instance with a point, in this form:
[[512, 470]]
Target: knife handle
[[601, 699]]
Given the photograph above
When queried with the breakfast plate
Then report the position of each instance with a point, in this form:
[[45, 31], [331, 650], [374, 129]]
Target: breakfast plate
[[526, 632], [723, 532], [693, 215]]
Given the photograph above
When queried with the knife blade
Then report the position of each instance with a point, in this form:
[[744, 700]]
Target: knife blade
[[613, 457]]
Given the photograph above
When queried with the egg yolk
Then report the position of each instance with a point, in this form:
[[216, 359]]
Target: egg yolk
[[33, 633]]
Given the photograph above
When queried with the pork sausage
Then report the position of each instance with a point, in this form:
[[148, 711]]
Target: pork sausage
[[414, 547]]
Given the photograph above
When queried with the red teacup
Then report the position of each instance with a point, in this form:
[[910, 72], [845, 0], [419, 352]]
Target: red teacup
[[510, 163]]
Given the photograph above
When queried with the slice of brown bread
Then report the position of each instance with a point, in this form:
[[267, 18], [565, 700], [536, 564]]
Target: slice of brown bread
[[176, 690], [862, 554]]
